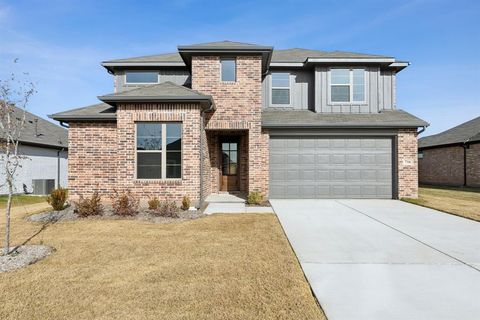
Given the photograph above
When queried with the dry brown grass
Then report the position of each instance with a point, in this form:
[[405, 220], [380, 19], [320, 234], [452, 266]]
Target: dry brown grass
[[218, 267], [464, 202], [21, 200]]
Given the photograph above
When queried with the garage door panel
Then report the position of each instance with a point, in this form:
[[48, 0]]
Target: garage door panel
[[325, 167], [277, 159]]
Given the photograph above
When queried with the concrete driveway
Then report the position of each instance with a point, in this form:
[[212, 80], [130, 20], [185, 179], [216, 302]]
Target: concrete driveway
[[385, 259]]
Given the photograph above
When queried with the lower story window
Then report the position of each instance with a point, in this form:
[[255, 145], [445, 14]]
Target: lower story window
[[159, 150]]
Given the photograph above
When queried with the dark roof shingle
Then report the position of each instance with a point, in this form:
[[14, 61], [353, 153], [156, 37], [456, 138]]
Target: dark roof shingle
[[165, 91], [39, 131], [466, 132], [99, 111], [308, 119]]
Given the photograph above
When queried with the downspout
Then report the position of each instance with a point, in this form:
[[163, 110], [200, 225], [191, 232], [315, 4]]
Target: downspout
[[202, 130], [465, 147], [58, 166]]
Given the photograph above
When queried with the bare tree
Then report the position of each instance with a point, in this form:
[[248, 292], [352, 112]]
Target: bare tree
[[15, 94]]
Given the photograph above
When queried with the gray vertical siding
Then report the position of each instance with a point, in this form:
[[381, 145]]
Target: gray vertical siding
[[177, 76], [380, 92], [302, 90]]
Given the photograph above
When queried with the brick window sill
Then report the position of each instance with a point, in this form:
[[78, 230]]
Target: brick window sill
[[168, 182]]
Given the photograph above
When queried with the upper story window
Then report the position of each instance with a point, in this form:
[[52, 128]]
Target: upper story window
[[141, 77], [159, 150], [229, 69], [347, 85], [280, 88]]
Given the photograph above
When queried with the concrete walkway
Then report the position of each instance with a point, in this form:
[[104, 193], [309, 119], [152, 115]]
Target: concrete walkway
[[385, 259]]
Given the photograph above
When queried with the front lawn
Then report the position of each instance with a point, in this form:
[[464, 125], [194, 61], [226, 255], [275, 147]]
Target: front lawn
[[219, 267], [21, 200], [464, 202]]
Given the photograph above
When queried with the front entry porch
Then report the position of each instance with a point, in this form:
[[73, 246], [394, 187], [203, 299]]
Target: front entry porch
[[228, 161]]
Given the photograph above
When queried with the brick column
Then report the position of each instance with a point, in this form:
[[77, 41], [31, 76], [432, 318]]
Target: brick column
[[407, 163]]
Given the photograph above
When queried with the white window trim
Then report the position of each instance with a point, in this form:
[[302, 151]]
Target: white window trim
[[140, 83], [163, 151], [289, 90], [351, 102], [221, 71]]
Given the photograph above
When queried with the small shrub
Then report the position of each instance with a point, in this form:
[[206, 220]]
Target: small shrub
[[86, 207], [185, 203], [153, 203], [167, 209], [124, 203], [57, 198], [255, 197]]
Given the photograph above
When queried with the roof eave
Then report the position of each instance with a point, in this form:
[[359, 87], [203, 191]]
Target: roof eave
[[350, 60], [349, 126], [67, 118], [205, 101]]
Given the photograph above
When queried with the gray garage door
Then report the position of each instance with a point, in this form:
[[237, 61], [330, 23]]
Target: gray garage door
[[325, 167]]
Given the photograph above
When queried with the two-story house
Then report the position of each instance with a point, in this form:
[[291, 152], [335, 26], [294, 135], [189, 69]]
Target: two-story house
[[229, 116]]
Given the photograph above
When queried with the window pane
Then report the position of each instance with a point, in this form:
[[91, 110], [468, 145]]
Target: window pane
[[281, 79], [358, 76], [174, 172], [228, 69], [174, 130], [233, 146], [233, 168], [280, 96], [149, 165], [174, 157], [358, 93], [149, 136], [340, 94], [340, 76], [141, 77]]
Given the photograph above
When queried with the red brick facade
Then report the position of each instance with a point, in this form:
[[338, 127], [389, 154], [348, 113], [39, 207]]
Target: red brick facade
[[103, 155], [445, 166], [407, 163], [238, 107], [92, 158]]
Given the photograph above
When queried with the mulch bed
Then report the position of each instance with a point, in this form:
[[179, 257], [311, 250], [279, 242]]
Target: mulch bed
[[144, 214]]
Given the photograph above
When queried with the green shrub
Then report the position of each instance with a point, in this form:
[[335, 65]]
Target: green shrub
[[167, 209], [153, 203], [185, 203], [255, 197], [86, 207], [57, 198], [124, 203]]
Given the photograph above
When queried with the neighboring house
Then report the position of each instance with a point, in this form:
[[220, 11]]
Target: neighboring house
[[452, 157], [45, 147], [229, 116]]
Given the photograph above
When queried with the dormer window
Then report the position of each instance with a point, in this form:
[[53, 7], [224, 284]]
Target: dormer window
[[228, 69], [141, 77], [347, 85]]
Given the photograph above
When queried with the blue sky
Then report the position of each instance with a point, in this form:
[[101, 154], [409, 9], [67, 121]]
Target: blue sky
[[61, 43]]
